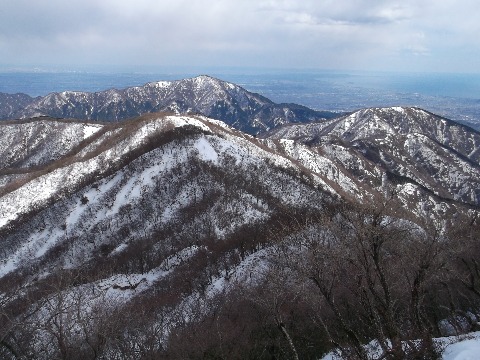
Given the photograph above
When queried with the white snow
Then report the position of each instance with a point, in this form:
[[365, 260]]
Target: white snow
[[180, 121], [162, 84], [128, 285], [398, 109], [33, 247], [90, 129], [466, 347], [119, 249], [206, 151]]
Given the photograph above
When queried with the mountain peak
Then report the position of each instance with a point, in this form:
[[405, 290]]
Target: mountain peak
[[400, 121], [207, 78], [407, 142], [204, 94]]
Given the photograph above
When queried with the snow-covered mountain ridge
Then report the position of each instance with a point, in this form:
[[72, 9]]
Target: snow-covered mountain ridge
[[205, 95], [37, 142], [101, 156], [435, 153], [384, 123], [165, 215]]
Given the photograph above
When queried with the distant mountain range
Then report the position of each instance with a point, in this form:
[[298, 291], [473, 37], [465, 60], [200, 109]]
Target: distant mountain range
[[204, 95], [127, 239]]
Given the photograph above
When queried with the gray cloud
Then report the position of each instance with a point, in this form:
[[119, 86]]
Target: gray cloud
[[406, 35]]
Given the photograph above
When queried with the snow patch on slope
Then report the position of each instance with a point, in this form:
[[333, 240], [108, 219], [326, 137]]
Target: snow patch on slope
[[454, 348]]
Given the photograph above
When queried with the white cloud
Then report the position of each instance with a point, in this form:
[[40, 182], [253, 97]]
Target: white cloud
[[328, 33]]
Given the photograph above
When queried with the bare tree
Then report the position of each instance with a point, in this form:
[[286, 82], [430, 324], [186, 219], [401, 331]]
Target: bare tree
[[372, 271]]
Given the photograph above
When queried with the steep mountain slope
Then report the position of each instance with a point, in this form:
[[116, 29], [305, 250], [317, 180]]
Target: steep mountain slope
[[118, 238], [106, 152], [361, 157], [205, 95], [40, 141], [133, 207], [407, 144], [11, 104]]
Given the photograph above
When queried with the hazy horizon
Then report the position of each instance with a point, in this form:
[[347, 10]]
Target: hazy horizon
[[455, 96]]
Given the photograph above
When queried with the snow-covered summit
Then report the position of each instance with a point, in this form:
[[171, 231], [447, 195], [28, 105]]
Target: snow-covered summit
[[203, 94], [385, 123]]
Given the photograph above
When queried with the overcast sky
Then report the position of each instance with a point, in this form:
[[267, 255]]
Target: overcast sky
[[407, 35]]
